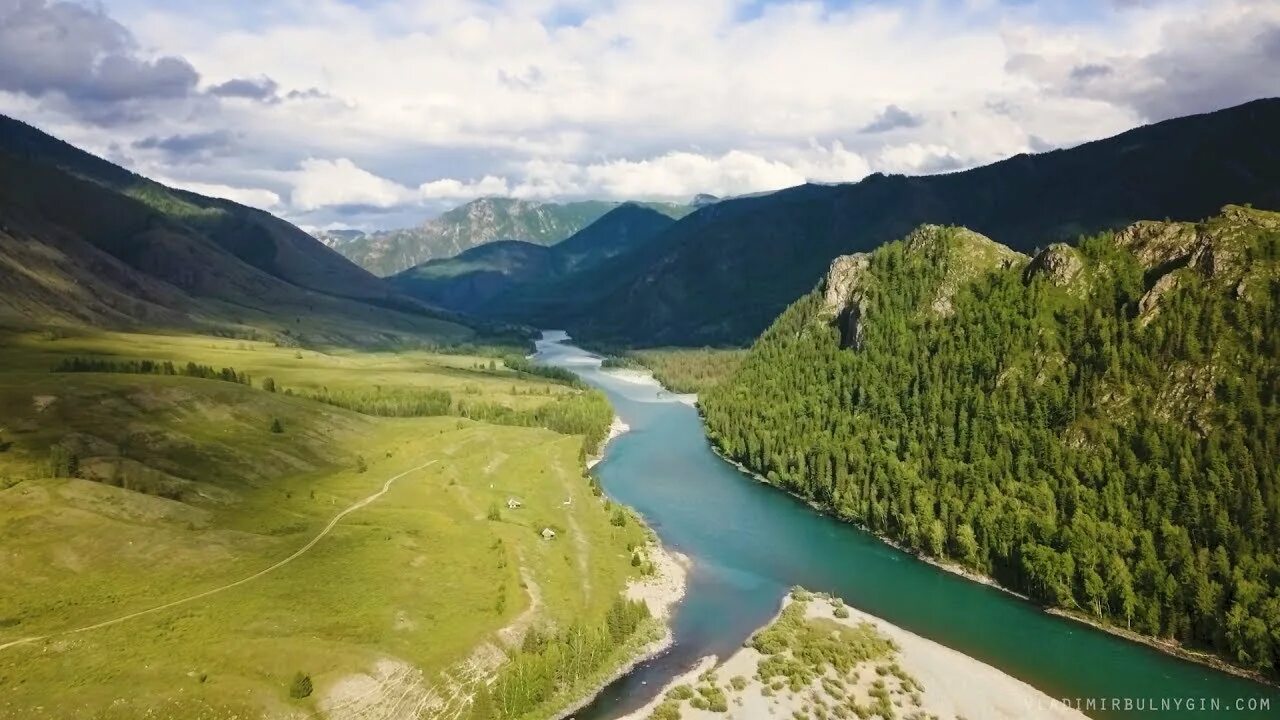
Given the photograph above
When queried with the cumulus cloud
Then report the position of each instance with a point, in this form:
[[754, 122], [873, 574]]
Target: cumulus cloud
[[83, 57], [253, 197], [919, 159], [341, 183], [450, 189]]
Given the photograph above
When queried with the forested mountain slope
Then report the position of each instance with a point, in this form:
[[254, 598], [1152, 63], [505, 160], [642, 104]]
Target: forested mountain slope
[[526, 271], [84, 242], [724, 272], [1097, 427]]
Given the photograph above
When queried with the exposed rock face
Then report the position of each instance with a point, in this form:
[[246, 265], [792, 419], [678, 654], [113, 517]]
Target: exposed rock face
[[1159, 243], [1059, 264], [962, 254], [843, 296], [1212, 249]]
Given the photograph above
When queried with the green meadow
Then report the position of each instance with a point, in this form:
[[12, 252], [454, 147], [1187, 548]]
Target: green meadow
[[173, 487]]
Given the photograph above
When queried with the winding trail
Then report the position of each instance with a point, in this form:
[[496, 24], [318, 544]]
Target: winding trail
[[198, 596]]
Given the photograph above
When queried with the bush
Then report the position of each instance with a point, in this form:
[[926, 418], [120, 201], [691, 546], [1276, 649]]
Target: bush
[[495, 513], [680, 692], [300, 687], [276, 426], [269, 384], [361, 465], [667, 710]]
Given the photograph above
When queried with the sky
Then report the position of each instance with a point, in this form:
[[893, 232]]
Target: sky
[[382, 113]]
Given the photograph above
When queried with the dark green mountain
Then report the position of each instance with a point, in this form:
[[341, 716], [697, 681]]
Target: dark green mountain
[[83, 241], [507, 272], [478, 222], [721, 274], [1097, 427]]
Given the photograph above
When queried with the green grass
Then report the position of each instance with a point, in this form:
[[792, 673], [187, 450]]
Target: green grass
[[416, 576]]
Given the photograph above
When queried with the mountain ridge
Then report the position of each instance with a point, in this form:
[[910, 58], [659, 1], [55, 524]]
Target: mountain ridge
[[719, 275]]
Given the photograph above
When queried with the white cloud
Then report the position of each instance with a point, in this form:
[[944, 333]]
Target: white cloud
[[253, 197], [918, 159], [409, 105], [328, 183], [450, 189]]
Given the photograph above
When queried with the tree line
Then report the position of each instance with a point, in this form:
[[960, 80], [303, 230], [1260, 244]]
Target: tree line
[[1120, 463], [548, 663], [150, 367]]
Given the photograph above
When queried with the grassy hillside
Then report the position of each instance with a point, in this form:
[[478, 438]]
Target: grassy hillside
[[1098, 427], [720, 275], [476, 223], [524, 273], [84, 242], [121, 492], [257, 238]]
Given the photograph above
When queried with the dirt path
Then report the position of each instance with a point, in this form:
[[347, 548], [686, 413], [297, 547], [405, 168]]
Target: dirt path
[[580, 540], [513, 634], [198, 596]]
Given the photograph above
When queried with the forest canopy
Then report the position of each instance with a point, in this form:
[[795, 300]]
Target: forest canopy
[[1098, 429]]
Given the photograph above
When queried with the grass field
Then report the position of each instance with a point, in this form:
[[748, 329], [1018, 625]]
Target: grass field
[[182, 488]]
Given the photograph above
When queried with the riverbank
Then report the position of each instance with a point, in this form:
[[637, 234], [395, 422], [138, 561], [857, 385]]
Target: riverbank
[[872, 663], [661, 590], [1165, 646], [943, 565], [616, 428], [646, 377]]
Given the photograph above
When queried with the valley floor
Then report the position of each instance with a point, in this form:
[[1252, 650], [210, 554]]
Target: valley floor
[[182, 547]]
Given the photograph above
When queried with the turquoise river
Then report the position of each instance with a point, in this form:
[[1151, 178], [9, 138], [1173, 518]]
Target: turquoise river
[[749, 543]]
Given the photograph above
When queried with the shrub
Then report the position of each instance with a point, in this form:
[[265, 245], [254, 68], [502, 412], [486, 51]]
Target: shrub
[[276, 426], [680, 692], [269, 384], [300, 687], [361, 465], [667, 710]]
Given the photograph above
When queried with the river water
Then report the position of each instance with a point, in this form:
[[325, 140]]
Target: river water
[[749, 543]]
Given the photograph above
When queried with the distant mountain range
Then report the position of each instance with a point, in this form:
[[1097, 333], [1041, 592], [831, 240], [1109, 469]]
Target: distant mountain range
[[83, 241], [721, 274], [493, 272], [478, 222]]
